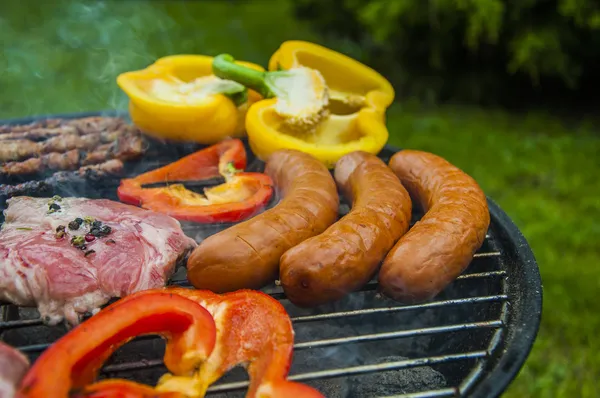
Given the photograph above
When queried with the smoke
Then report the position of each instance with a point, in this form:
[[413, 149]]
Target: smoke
[[64, 56], [67, 50]]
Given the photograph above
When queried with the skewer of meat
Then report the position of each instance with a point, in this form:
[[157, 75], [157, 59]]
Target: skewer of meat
[[125, 147], [52, 161], [112, 167], [37, 133], [13, 150], [54, 127], [72, 141]]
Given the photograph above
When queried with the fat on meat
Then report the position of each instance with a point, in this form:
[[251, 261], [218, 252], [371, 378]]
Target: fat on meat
[[39, 269], [13, 366]]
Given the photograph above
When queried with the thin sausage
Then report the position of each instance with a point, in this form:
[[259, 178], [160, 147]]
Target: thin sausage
[[247, 254], [346, 256], [441, 245]]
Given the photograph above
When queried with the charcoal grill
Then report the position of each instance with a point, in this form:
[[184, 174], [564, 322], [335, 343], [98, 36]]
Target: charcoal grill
[[471, 340]]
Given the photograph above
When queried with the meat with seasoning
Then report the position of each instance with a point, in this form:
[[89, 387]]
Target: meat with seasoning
[[13, 366], [69, 256]]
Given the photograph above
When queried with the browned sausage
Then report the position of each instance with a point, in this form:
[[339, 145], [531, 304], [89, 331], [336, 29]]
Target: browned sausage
[[441, 245], [247, 254], [346, 256]]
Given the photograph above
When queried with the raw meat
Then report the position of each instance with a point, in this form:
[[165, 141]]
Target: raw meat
[[65, 279], [13, 366]]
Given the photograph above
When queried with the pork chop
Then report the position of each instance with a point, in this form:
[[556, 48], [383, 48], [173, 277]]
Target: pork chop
[[13, 366], [69, 256]]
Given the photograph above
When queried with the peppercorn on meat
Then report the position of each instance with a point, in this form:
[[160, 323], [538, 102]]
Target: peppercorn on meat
[[69, 256]]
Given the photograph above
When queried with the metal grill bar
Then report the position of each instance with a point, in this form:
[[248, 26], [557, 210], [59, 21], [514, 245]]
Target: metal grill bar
[[372, 285], [397, 335], [446, 392], [331, 342], [363, 369], [482, 275], [21, 323], [347, 340], [469, 382], [471, 379], [490, 254], [143, 364], [369, 311]]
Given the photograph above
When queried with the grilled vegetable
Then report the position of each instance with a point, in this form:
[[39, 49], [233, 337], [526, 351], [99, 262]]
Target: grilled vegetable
[[73, 362], [247, 327], [329, 119], [178, 98], [302, 95], [241, 196], [254, 331]]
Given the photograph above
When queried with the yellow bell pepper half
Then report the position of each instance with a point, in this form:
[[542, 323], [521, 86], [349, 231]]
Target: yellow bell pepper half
[[178, 98], [358, 97]]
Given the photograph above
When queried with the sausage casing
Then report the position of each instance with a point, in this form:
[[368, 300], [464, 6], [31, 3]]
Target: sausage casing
[[326, 267], [247, 255], [441, 245]]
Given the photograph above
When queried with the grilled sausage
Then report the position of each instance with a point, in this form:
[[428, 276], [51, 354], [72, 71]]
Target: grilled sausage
[[247, 254], [441, 245], [346, 256]]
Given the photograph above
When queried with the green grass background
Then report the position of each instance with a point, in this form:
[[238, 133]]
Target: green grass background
[[63, 56]]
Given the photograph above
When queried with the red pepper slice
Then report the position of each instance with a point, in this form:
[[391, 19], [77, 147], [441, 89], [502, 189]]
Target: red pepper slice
[[241, 196], [253, 329], [74, 360]]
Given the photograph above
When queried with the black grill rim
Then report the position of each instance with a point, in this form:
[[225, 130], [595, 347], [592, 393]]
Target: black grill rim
[[523, 275], [524, 320]]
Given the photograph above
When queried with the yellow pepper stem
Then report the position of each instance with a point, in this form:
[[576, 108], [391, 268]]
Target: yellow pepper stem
[[268, 84], [224, 66]]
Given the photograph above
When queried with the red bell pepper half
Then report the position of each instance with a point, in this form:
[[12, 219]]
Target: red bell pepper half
[[73, 362], [241, 196], [254, 330], [207, 335]]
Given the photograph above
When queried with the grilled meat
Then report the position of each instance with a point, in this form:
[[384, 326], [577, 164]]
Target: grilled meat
[[13, 366], [68, 147], [53, 127], [51, 161], [125, 147], [18, 149], [22, 142], [110, 168], [69, 256]]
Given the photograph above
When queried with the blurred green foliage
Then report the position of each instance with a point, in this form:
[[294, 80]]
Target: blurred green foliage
[[478, 50]]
